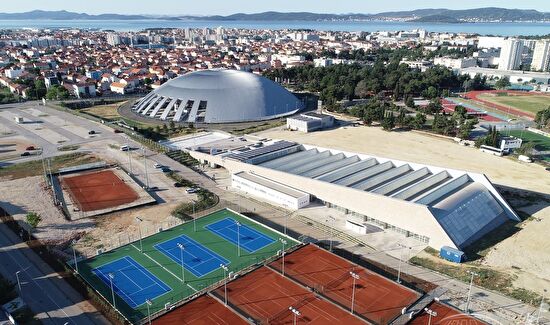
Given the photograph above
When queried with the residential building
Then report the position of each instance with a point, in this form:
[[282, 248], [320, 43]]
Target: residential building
[[510, 54], [541, 56]]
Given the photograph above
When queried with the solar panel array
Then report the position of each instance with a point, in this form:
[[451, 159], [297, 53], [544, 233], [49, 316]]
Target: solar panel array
[[253, 153]]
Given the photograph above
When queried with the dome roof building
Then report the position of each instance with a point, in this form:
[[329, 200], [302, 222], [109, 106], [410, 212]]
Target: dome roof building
[[218, 96]]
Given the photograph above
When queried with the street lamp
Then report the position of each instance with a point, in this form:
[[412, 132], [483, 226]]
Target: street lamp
[[149, 303], [283, 252], [129, 156], [331, 230], [74, 255], [194, 218], [294, 311], [182, 268], [18, 281], [238, 238], [111, 277], [400, 260], [431, 314], [472, 274], [355, 277], [225, 270], [139, 229], [145, 165]]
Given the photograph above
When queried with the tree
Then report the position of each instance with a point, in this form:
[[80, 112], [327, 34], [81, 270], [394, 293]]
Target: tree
[[460, 112], [401, 118], [503, 83], [434, 106], [361, 90], [465, 128], [172, 125], [419, 121], [388, 122], [33, 219], [543, 117], [409, 101]]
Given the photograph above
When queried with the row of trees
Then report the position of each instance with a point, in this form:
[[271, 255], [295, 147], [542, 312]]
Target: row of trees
[[543, 118]]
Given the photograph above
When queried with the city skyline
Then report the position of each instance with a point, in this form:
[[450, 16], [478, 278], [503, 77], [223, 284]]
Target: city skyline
[[210, 7]]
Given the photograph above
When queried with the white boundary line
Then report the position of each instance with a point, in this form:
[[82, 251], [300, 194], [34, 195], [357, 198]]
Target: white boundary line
[[252, 230]]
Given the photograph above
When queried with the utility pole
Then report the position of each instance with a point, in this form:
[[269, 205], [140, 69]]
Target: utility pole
[[283, 253], [472, 274], [145, 164], [355, 277]]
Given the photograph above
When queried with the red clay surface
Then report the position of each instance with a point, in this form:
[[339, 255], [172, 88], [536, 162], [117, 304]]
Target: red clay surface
[[474, 95], [445, 316], [266, 296], [376, 298], [204, 310], [98, 190], [449, 107]]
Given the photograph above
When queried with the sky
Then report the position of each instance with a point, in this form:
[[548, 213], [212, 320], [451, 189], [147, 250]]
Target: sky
[[225, 7]]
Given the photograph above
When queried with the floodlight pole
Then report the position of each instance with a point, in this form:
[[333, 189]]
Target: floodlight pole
[[182, 268], [194, 219], [283, 253], [354, 277], [225, 269], [295, 312], [238, 239], [111, 277], [18, 281], [149, 303], [129, 156], [540, 307], [472, 274], [331, 230], [401, 246], [431, 314], [145, 164], [140, 238], [74, 255]]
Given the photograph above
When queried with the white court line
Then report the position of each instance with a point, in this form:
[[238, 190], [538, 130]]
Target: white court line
[[249, 229], [114, 285], [126, 268], [141, 268]]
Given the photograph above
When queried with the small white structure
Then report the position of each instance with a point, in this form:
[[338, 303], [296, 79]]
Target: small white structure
[[309, 122], [507, 143], [272, 191]]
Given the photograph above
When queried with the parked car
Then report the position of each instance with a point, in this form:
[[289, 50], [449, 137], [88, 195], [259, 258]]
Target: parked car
[[547, 169], [30, 148], [157, 165], [91, 132], [165, 169], [118, 131], [177, 184], [192, 190], [26, 153], [124, 148]]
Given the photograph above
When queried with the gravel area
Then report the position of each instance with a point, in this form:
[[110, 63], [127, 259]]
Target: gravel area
[[21, 196]]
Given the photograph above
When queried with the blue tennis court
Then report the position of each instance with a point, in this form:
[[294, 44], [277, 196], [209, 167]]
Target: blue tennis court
[[249, 238], [131, 281], [198, 259]]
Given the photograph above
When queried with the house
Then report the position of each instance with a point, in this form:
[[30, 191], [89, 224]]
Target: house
[[121, 88]]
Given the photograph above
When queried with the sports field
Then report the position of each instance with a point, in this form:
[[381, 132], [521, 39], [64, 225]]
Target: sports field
[[531, 103], [156, 274], [445, 316], [541, 142], [265, 296], [98, 190], [377, 298]]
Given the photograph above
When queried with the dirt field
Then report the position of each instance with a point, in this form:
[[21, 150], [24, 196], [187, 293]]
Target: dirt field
[[266, 296], [378, 299], [108, 112], [98, 190], [21, 196], [531, 262], [201, 311]]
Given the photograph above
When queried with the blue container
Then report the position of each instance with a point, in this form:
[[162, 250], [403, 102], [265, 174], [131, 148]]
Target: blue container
[[451, 254]]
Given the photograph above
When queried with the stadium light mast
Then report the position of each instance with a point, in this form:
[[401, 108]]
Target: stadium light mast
[[472, 274], [401, 246], [111, 277], [225, 270], [18, 282], [145, 165], [149, 303], [182, 248], [294, 311], [333, 220], [74, 255], [283, 253], [139, 220], [354, 277], [194, 219], [238, 238]]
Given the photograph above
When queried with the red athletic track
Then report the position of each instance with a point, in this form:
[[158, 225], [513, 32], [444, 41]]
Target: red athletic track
[[204, 310], [449, 107], [376, 298], [475, 93], [266, 295], [445, 316], [98, 190]]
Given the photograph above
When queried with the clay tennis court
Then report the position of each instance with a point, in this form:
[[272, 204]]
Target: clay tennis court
[[98, 190], [266, 296], [445, 316], [376, 298], [204, 310]]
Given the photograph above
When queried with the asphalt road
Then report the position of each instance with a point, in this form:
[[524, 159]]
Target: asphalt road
[[49, 297]]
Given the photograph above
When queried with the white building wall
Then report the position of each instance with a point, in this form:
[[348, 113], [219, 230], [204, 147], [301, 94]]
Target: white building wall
[[510, 55], [541, 56], [269, 193]]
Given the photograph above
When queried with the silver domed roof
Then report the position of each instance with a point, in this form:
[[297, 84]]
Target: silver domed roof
[[218, 96]]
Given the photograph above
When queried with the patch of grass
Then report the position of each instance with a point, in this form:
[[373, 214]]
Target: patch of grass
[[206, 199], [34, 168], [105, 112], [541, 142], [259, 127], [69, 147]]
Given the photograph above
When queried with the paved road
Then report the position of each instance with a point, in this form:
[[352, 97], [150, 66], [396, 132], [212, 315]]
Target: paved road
[[49, 297]]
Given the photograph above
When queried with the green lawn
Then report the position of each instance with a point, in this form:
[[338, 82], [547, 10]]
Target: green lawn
[[530, 104], [170, 271], [541, 142]]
